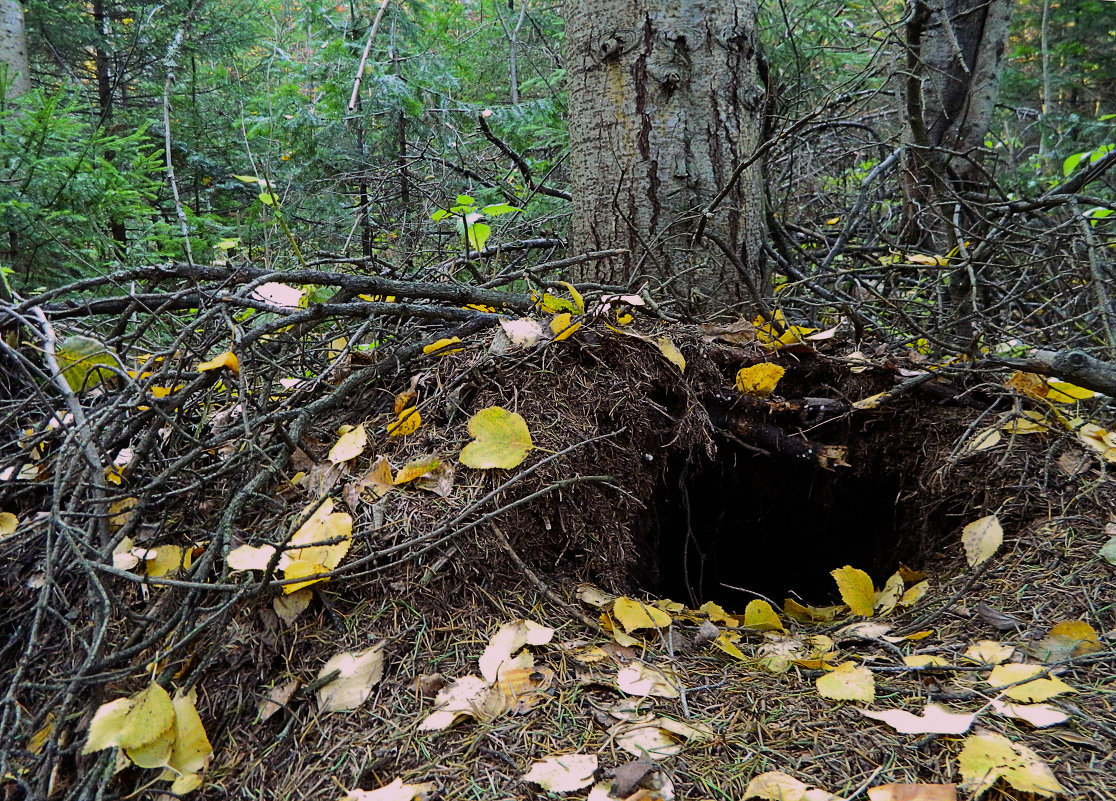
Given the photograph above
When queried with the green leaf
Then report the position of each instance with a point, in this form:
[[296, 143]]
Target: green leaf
[[496, 209], [440, 214], [478, 235], [248, 179], [227, 244], [1071, 163], [465, 200], [269, 198]]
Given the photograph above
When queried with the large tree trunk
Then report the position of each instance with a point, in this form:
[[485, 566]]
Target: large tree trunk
[[13, 48], [954, 56], [665, 101]]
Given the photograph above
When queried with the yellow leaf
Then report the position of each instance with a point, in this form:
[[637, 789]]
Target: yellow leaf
[[1085, 638], [725, 644], [671, 352], [848, 683], [404, 400], [983, 440], [416, 468], [931, 261], [227, 359], [871, 402], [856, 589], [131, 723], [759, 380], [551, 304], [349, 446], [579, 302], [634, 615], [407, 422], [924, 660], [981, 539], [156, 753], [1025, 426], [38, 740], [501, 440], [8, 524], [888, 598], [809, 614], [84, 362], [1061, 392], [1028, 691], [623, 318], [987, 757], [777, 786], [443, 346], [989, 652], [561, 326], [302, 569], [318, 546], [716, 613], [760, 616], [914, 594], [166, 559], [191, 745]]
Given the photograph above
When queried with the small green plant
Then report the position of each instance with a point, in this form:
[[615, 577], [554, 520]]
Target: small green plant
[[469, 221]]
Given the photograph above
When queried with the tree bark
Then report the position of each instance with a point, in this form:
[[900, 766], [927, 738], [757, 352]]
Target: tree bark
[[665, 101], [13, 48], [955, 53]]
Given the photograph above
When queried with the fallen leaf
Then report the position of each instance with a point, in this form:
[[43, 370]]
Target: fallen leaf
[[277, 699], [406, 422], [989, 652], [439, 480], [1038, 715], [987, 757], [563, 774], [562, 327], [462, 698], [981, 539], [983, 440], [396, 791], [646, 740], [634, 615], [350, 445], [760, 616], [888, 598], [360, 672], [639, 678], [227, 359], [252, 557], [318, 546], [523, 333], [416, 468], [848, 683], [914, 594], [289, 606], [1001, 621], [924, 660], [166, 560], [810, 614], [191, 751], [913, 792], [935, 719], [856, 589], [1108, 551], [278, 294], [671, 352], [777, 786], [508, 639], [759, 380], [594, 596], [1036, 690], [8, 524], [84, 360], [131, 723], [443, 347], [377, 481], [501, 440], [1083, 637]]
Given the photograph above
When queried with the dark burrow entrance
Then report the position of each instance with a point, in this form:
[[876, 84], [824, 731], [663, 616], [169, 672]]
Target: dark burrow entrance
[[777, 527]]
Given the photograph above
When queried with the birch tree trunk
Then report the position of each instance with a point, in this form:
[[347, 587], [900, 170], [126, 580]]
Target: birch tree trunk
[[665, 101], [13, 48]]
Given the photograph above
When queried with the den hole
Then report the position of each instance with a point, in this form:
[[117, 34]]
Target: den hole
[[775, 528]]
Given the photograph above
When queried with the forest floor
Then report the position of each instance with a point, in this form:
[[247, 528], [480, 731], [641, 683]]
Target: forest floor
[[606, 618]]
